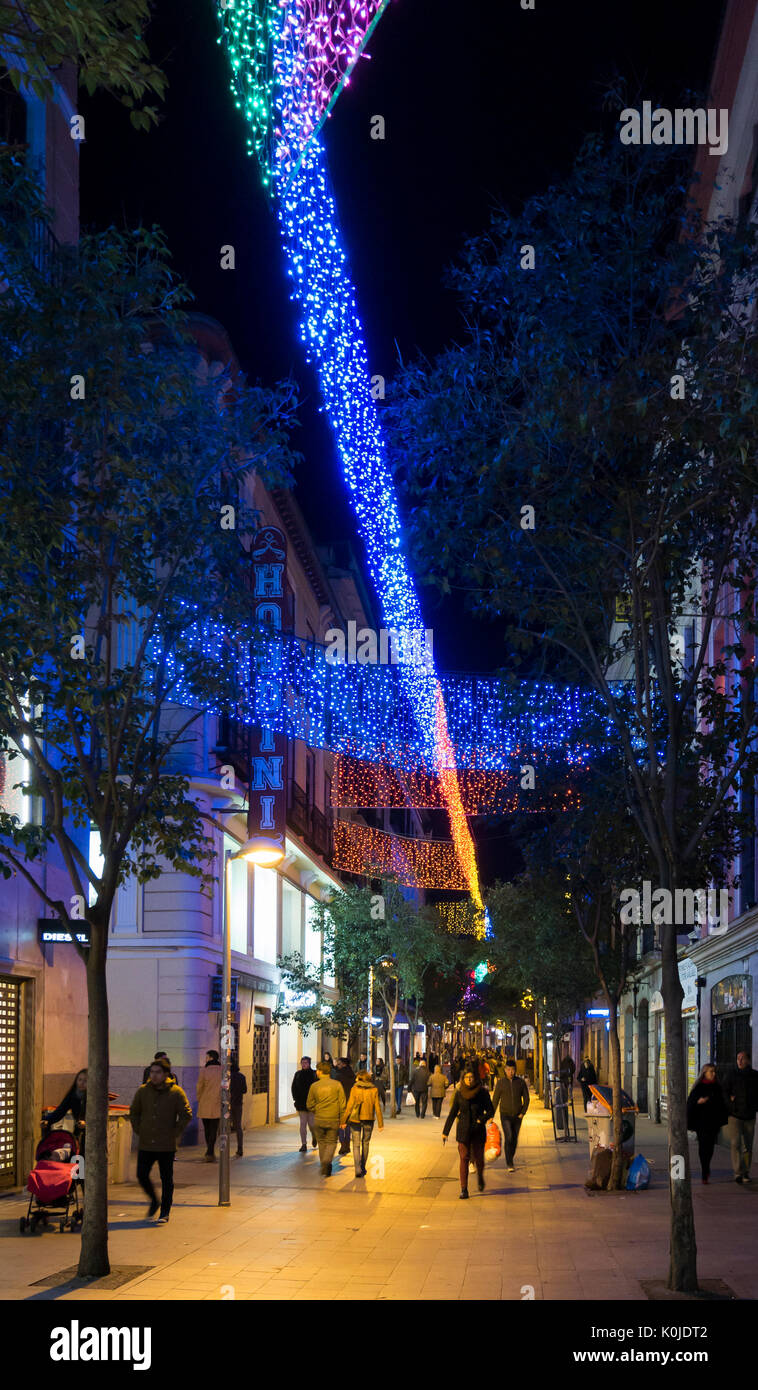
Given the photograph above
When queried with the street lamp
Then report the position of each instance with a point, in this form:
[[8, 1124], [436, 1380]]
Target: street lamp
[[265, 853]]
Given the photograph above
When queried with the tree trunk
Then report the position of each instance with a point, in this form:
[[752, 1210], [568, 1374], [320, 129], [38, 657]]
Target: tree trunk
[[683, 1263], [617, 1164], [93, 1258], [391, 1016]]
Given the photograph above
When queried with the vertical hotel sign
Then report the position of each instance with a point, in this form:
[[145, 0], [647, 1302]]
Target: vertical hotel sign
[[267, 814]]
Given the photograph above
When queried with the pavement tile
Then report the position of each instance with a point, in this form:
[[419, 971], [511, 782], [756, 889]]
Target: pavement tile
[[288, 1236]]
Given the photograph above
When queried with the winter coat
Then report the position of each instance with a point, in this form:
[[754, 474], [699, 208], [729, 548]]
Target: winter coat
[[587, 1075], [419, 1080], [743, 1085], [512, 1097], [567, 1067], [363, 1104], [75, 1101], [237, 1088], [159, 1116], [381, 1081], [401, 1074], [438, 1083], [301, 1085], [345, 1076], [472, 1108], [209, 1092], [708, 1118], [326, 1099]]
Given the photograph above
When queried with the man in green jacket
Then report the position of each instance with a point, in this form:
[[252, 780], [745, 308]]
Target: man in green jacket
[[327, 1100], [159, 1114]]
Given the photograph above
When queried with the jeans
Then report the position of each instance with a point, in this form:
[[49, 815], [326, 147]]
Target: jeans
[[361, 1134], [421, 1099], [471, 1153], [511, 1126], [235, 1124], [437, 1105], [741, 1132], [211, 1130], [706, 1143], [327, 1143], [306, 1123], [145, 1160], [399, 1099]]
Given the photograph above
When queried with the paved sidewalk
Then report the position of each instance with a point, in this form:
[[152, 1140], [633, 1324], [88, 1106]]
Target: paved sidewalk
[[400, 1233]]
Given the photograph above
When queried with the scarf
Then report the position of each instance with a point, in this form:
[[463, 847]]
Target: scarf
[[468, 1092]]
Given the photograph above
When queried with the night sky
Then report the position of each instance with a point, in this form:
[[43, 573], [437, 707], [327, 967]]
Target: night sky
[[484, 104]]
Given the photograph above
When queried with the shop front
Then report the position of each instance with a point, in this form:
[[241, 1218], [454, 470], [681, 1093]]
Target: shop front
[[731, 1018]]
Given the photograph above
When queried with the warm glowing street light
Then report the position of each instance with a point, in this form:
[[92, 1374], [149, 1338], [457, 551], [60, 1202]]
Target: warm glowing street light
[[266, 854]]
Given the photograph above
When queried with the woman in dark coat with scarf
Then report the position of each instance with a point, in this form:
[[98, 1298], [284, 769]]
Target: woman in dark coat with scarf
[[472, 1108], [75, 1102], [706, 1113]]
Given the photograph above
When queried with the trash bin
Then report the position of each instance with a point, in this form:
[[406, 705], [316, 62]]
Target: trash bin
[[600, 1125], [119, 1143]]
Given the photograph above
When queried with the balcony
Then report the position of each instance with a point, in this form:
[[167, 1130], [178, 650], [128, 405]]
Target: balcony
[[308, 821]]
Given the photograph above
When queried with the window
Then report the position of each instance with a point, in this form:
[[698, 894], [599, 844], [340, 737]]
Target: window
[[238, 901], [292, 909], [265, 894]]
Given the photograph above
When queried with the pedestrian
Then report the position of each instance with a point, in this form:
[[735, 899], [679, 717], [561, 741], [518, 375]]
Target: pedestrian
[[326, 1101], [160, 1113], [741, 1094], [327, 1057], [472, 1108], [512, 1095], [401, 1081], [586, 1076], [433, 1061], [159, 1057], [209, 1102], [304, 1078], [362, 1109], [706, 1113], [343, 1072], [362, 1063], [419, 1087], [380, 1080], [455, 1069], [438, 1084], [74, 1103], [567, 1069], [237, 1090]]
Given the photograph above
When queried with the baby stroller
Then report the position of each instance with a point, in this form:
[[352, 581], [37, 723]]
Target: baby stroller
[[54, 1189]]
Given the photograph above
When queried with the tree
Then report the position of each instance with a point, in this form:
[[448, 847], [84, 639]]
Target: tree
[[104, 41], [363, 929], [119, 452], [597, 432]]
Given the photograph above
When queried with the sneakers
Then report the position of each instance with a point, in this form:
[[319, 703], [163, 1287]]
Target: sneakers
[[162, 1220], [463, 1196], [152, 1209], [303, 1149], [511, 1169], [741, 1178]]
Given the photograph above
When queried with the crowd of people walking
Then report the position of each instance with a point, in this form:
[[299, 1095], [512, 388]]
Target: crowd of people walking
[[339, 1109]]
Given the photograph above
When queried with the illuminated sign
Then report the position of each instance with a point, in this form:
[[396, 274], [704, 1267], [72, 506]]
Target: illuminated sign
[[50, 931], [267, 815]]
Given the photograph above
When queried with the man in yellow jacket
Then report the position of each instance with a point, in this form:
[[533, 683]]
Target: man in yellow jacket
[[326, 1099]]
